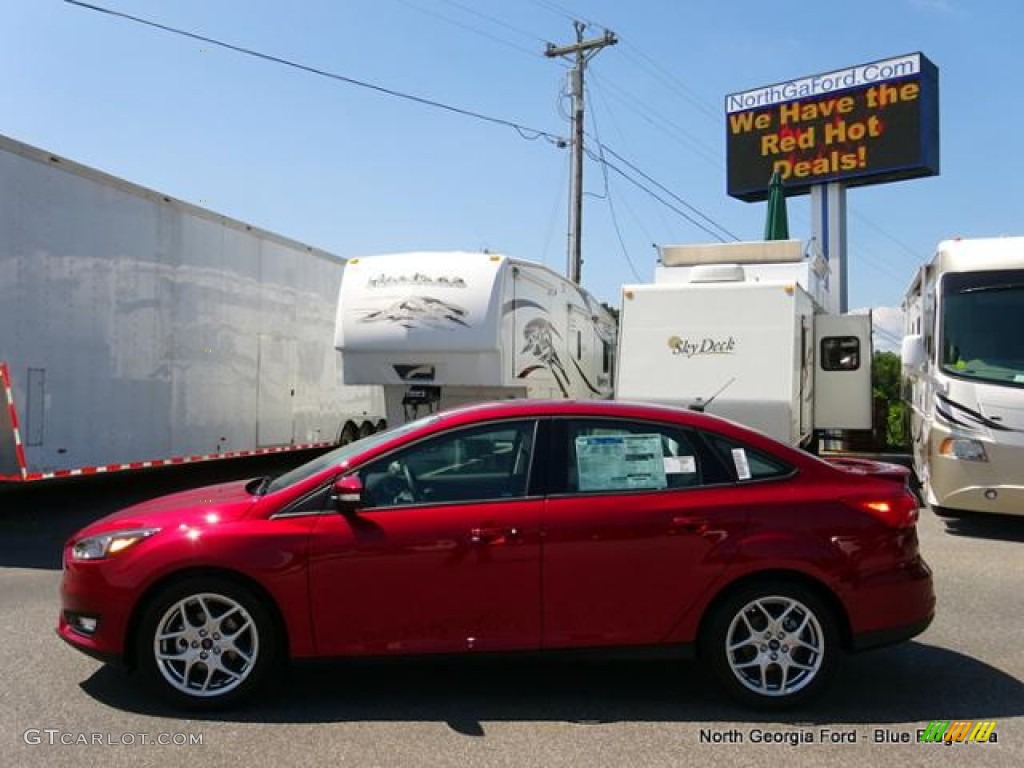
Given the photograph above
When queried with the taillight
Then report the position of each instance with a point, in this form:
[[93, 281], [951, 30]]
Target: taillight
[[898, 509]]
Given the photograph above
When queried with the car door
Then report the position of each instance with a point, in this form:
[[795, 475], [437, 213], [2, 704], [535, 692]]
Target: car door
[[444, 557], [640, 522]]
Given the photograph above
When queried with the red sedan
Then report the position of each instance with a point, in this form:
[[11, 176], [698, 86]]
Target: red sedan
[[513, 526]]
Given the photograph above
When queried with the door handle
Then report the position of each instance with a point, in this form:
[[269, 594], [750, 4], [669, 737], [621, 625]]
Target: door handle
[[492, 535], [690, 524]]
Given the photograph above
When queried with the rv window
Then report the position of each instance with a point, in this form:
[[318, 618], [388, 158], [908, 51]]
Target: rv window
[[840, 353]]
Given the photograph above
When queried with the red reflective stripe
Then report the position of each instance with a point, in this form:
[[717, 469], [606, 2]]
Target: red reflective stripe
[[174, 460], [19, 449]]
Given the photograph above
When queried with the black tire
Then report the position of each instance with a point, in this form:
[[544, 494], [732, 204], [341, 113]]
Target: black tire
[[349, 434], [219, 643], [769, 626]]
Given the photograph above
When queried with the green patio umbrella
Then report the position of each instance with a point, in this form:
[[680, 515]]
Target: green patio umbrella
[[776, 225]]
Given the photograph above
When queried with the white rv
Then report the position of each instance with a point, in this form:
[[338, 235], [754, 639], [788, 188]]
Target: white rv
[[963, 363], [739, 329], [441, 329]]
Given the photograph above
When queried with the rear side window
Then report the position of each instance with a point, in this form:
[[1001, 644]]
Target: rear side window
[[604, 455], [748, 463]]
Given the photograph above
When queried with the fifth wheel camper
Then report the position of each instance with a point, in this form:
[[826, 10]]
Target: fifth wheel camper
[[442, 329]]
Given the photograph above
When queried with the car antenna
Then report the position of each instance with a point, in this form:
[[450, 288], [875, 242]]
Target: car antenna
[[700, 404]]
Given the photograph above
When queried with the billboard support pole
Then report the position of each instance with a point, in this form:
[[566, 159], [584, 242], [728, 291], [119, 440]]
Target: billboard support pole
[[828, 230]]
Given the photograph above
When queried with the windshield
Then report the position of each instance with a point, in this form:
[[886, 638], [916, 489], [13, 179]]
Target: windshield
[[982, 318], [343, 454]]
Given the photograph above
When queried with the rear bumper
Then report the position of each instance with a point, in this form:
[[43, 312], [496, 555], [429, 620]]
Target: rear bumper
[[891, 606]]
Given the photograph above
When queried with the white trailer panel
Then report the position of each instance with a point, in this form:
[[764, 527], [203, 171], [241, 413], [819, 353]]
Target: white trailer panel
[[137, 327], [739, 342]]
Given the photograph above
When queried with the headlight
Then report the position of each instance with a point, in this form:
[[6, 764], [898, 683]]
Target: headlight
[[963, 448], [109, 544]]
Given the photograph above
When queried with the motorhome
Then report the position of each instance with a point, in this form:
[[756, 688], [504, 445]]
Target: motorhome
[[441, 329], [740, 330], [963, 365]]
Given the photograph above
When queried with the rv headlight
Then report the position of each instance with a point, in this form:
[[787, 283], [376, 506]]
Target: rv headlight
[[109, 544], [963, 448]]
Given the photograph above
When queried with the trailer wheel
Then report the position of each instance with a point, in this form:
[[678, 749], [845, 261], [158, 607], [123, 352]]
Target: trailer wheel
[[382, 425], [349, 434], [365, 429]]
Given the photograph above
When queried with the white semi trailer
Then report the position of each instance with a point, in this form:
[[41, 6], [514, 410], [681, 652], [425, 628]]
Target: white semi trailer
[[138, 330], [441, 329], [963, 363], [740, 330]]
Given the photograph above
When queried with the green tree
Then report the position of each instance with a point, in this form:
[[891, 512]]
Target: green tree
[[886, 382]]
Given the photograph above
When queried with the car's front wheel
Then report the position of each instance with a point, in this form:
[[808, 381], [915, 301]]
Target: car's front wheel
[[206, 643], [773, 645]]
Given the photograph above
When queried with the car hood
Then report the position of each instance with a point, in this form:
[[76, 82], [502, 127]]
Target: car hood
[[212, 504]]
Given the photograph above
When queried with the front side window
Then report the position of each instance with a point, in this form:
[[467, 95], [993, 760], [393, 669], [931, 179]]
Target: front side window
[[486, 463], [604, 455], [980, 337]]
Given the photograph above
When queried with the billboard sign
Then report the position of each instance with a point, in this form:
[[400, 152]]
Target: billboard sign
[[867, 124]]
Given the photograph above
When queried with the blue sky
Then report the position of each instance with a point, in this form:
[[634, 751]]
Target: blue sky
[[355, 172]]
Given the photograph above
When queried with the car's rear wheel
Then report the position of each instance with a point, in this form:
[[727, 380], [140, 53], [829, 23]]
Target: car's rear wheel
[[206, 643], [773, 645]]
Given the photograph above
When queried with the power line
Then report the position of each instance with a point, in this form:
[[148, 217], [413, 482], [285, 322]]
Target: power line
[[673, 82], [663, 124], [655, 195], [674, 196], [469, 27], [563, 12], [608, 197], [524, 131], [496, 20], [881, 231]]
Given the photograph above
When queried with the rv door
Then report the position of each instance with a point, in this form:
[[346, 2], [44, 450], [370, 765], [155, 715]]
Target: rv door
[[842, 371]]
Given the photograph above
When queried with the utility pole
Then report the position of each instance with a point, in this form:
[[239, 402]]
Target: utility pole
[[582, 51]]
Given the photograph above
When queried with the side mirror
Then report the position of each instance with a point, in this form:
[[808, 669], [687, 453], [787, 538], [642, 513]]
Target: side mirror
[[913, 355], [347, 493]]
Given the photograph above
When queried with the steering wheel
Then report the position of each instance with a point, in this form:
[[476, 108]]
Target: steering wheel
[[410, 480]]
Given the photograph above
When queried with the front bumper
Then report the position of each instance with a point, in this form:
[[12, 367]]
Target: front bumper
[[976, 486], [85, 591]]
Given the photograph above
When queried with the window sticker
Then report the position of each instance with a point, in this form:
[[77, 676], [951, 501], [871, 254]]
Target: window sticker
[[619, 462], [680, 465], [739, 459]]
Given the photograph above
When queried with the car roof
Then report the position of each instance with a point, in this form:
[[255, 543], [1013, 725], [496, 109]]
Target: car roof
[[523, 408]]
